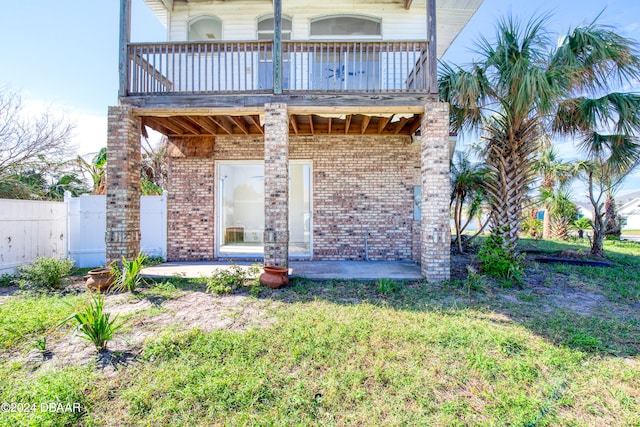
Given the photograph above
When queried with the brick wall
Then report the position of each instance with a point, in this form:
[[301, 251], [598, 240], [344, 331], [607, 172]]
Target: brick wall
[[436, 231], [362, 191], [190, 216], [362, 195], [276, 185], [123, 184]]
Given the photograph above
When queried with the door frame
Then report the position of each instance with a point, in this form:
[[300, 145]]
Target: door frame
[[218, 232]]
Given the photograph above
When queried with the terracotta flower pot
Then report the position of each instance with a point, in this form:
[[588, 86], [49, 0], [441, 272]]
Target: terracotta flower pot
[[274, 277], [99, 279]]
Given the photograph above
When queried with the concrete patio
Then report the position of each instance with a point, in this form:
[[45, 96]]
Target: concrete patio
[[313, 270]]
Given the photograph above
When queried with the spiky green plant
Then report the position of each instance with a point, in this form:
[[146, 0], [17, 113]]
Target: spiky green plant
[[127, 277], [93, 324]]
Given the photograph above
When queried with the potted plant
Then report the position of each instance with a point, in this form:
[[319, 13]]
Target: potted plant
[[100, 279], [274, 276]]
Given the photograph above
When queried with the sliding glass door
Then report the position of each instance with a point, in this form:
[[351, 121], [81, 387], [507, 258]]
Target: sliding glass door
[[240, 209]]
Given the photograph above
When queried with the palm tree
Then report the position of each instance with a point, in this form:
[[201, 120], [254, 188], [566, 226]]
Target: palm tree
[[561, 210], [552, 171], [466, 190], [524, 85], [97, 170]]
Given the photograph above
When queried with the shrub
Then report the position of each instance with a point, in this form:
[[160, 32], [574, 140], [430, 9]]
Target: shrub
[[153, 260], [93, 324], [6, 280], [387, 286], [226, 280], [127, 278], [44, 273], [582, 224], [532, 227], [498, 260]]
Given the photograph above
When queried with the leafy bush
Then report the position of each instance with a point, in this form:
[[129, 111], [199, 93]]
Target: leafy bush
[[532, 227], [127, 278], [583, 223], [387, 286], [44, 273], [153, 260], [6, 280], [226, 280], [93, 324], [498, 260]]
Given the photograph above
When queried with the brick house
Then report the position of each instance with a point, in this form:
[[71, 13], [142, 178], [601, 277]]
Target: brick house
[[297, 131]]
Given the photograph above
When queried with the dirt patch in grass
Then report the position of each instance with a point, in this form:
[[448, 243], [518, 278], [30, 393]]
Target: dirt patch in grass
[[7, 292], [191, 310]]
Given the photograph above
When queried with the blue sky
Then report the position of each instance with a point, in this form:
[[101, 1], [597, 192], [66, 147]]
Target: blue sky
[[65, 53]]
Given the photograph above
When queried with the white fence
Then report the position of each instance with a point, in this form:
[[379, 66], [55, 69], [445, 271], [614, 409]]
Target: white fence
[[29, 229], [74, 228]]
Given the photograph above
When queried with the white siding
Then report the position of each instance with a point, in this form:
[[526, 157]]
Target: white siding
[[239, 18]]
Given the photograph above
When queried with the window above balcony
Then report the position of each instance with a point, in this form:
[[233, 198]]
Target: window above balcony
[[346, 26], [265, 28], [205, 28]]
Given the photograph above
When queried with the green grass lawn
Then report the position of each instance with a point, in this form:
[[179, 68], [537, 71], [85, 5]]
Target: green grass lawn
[[341, 354]]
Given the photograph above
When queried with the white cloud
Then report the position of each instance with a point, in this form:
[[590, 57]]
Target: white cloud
[[90, 130], [90, 133]]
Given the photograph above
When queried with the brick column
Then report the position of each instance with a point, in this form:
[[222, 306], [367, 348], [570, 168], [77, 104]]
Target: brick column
[[276, 185], [123, 184], [436, 232]]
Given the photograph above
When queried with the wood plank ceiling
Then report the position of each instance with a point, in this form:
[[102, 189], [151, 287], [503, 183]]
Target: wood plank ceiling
[[249, 125]]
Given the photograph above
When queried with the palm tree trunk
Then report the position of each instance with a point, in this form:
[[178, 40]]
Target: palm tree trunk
[[546, 224], [598, 237], [613, 225]]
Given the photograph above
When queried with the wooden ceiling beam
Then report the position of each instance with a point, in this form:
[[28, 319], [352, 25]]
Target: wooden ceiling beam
[[174, 128], [403, 121], [220, 122], [407, 4], [179, 123], [311, 123], [329, 126], [294, 123], [157, 126], [355, 109], [382, 123], [205, 124], [347, 123], [415, 125], [240, 123], [256, 123], [365, 124], [196, 111]]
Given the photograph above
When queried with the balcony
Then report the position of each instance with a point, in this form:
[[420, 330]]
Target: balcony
[[245, 68]]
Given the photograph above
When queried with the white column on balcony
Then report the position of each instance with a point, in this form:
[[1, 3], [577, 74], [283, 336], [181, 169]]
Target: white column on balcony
[[277, 47], [432, 47], [125, 38]]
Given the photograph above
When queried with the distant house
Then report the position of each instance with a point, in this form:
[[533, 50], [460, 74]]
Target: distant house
[[585, 210], [629, 209], [299, 129]]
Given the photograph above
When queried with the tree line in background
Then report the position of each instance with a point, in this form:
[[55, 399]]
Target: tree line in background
[[36, 160], [525, 89]]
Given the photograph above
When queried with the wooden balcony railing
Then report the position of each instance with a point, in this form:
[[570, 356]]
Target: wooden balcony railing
[[307, 67]]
